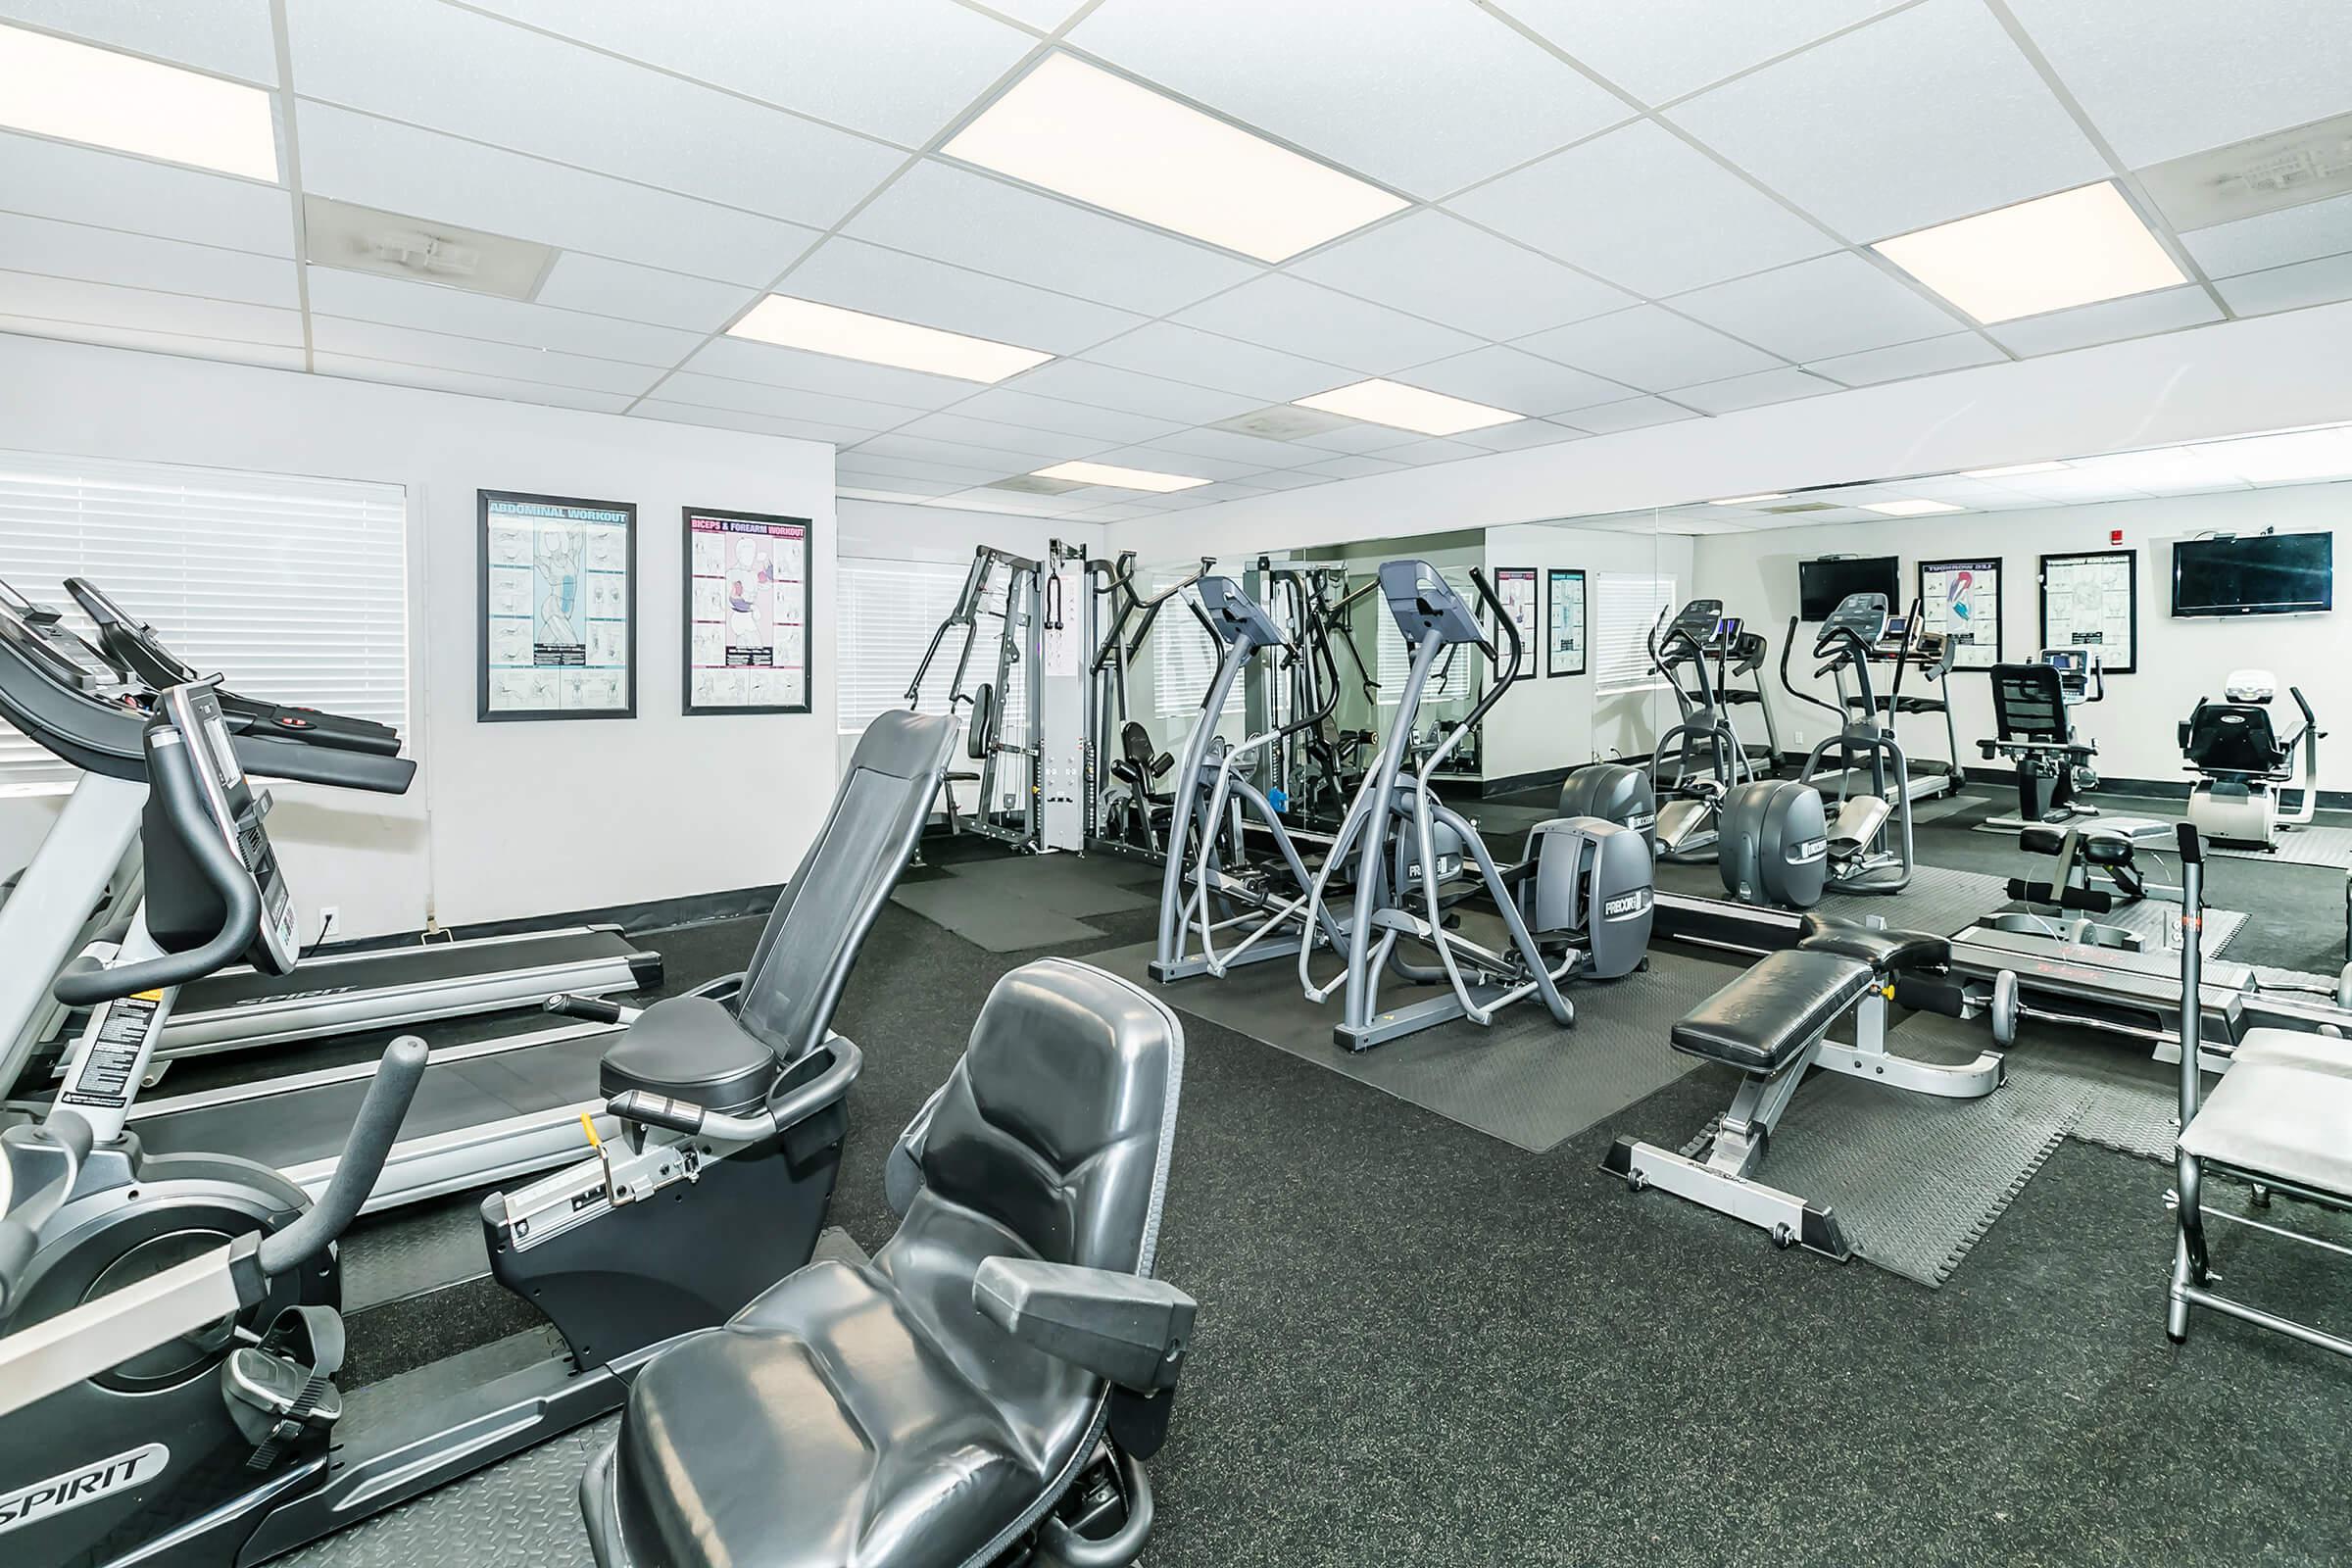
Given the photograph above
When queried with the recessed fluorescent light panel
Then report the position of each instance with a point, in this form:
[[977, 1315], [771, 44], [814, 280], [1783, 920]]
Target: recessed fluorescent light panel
[[1748, 501], [2011, 471], [1409, 408], [1111, 474], [1084, 133], [2050, 254], [1910, 508], [74, 92], [878, 340]]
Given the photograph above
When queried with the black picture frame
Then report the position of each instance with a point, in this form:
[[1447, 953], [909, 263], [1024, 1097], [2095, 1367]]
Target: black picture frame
[[2041, 579], [1554, 578], [1530, 654], [808, 527], [484, 502], [2000, 589]]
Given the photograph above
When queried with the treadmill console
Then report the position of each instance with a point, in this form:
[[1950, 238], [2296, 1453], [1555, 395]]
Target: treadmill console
[[184, 910], [62, 653], [1858, 616]]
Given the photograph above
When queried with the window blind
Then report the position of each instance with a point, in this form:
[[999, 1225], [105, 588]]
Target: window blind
[[889, 611], [294, 588], [1183, 657], [1624, 606], [1451, 675]]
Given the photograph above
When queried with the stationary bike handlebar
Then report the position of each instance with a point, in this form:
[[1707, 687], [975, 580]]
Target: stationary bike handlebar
[[171, 775]]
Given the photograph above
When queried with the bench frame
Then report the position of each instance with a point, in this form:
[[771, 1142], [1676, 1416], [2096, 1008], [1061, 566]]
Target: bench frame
[[1726, 1180]]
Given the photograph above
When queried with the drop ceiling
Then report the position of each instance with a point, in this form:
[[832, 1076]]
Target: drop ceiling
[[1616, 213]]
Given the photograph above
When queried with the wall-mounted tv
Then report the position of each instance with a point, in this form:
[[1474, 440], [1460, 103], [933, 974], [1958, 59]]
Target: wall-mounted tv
[[1822, 584], [2254, 574]]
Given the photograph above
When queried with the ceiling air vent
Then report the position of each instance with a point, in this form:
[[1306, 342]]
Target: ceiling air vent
[[1034, 484], [1284, 421], [2284, 168], [1801, 505], [361, 240]]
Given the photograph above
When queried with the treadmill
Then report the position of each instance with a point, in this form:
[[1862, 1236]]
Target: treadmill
[[381, 989]]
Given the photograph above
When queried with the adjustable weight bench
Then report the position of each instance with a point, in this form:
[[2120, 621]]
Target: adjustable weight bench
[[1772, 1024]]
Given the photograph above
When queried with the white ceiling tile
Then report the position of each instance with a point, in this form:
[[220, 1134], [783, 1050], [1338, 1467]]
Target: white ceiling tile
[[1753, 391], [2302, 233], [399, 169], [227, 37], [59, 299], [1301, 317], [1224, 490], [894, 69], [858, 276], [578, 282], [1117, 512], [1158, 459], [1042, 446], [1434, 265], [1928, 114], [1831, 305], [1507, 378], [1126, 391], [404, 345], [2110, 322], [736, 419], [1520, 433], [105, 256], [274, 356], [1623, 205], [1648, 348], [1634, 414], [973, 221], [1350, 467], [1426, 95], [1070, 419], [742, 360], [1287, 479], [1661, 49], [986, 462], [1357, 439], [1043, 15], [880, 488], [1202, 359], [1257, 451], [2289, 288], [854, 461], [359, 368], [1907, 360], [436, 308], [83, 185], [785, 403], [2166, 78], [1421, 454], [451, 69]]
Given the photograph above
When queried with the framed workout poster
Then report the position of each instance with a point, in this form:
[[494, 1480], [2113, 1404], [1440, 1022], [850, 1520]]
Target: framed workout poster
[[1962, 599], [2091, 601], [1564, 622], [748, 608], [559, 608], [1515, 586]]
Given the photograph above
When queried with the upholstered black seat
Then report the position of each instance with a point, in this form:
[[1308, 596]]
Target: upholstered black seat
[[1885, 949], [2095, 845], [2234, 740], [689, 1047], [878, 1416], [1773, 1012]]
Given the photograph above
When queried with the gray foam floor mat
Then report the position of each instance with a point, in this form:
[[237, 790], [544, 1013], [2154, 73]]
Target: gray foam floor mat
[[1523, 1080], [2315, 845], [1066, 884], [987, 912], [418, 1250]]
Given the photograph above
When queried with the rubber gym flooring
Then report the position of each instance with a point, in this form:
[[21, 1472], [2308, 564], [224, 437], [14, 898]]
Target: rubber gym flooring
[[1422, 1345]]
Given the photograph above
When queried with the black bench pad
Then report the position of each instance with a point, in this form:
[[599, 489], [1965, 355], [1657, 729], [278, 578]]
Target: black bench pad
[[2097, 846], [1886, 951], [1768, 1015]]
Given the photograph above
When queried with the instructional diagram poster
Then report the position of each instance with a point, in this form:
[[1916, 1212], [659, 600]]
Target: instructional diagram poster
[[1515, 586], [1564, 628], [559, 632], [747, 613], [1962, 599], [2092, 601]]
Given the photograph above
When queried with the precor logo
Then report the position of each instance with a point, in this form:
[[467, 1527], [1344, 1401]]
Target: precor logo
[[88, 1484]]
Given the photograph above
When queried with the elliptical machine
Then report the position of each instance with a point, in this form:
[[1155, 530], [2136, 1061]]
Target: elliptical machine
[[1709, 761], [1577, 906]]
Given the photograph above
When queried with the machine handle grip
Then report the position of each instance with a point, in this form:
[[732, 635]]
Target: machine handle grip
[[173, 780], [593, 1010], [2192, 847], [364, 1150]]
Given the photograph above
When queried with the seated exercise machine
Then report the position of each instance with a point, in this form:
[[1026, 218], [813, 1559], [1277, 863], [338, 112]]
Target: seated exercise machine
[[1010, 1329], [1771, 1025], [2246, 766], [2275, 1122], [1577, 905], [221, 1436], [2033, 721], [1709, 761], [2110, 848]]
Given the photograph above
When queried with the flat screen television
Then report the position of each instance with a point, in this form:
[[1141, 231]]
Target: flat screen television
[[2254, 574], [1822, 584]]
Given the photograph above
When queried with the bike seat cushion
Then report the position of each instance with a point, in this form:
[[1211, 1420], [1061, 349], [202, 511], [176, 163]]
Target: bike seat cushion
[[1887, 952], [692, 1049], [1764, 1019]]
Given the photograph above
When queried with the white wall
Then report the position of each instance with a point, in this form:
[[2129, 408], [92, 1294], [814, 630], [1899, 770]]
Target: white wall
[[512, 819], [2180, 661], [2230, 379], [1546, 722]]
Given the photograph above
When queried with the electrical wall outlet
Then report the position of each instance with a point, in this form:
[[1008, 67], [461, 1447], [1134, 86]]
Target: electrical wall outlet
[[330, 922]]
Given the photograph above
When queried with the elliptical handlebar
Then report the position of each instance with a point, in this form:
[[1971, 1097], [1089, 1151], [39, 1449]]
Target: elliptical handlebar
[[364, 1150], [1787, 644]]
